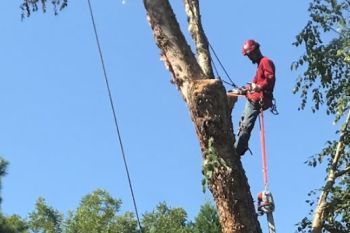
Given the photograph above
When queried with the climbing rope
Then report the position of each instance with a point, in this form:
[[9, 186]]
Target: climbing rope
[[218, 75], [231, 83], [266, 204], [114, 115], [222, 66], [263, 148]]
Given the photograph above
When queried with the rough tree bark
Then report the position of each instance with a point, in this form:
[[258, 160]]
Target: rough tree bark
[[209, 109]]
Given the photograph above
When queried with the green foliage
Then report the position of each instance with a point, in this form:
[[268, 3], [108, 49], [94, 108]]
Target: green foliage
[[327, 43], [207, 221], [339, 206], [212, 163], [166, 220], [13, 224], [337, 215], [96, 214], [45, 219], [337, 211], [3, 172], [325, 79], [3, 167], [126, 223], [30, 6]]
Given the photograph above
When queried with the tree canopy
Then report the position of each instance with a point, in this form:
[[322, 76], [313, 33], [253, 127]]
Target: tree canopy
[[325, 79], [98, 212]]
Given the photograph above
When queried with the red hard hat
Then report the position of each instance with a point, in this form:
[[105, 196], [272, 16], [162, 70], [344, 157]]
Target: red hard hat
[[249, 46]]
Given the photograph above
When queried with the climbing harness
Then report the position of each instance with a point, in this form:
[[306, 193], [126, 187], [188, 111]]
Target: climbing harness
[[114, 115], [265, 204]]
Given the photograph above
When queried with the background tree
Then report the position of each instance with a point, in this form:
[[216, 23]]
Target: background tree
[[45, 219], [207, 220], [13, 224], [208, 106], [166, 220], [97, 213], [325, 79], [3, 172], [126, 223]]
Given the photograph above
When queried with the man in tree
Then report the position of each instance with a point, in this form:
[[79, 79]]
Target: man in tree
[[207, 104], [259, 93]]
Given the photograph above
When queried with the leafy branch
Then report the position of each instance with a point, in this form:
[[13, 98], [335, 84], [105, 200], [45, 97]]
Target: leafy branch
[[30, 6], [212, 164]]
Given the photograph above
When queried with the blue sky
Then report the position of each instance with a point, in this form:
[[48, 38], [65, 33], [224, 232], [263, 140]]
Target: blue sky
[[57, 130]]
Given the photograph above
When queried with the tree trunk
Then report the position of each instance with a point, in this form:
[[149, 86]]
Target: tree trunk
[[210, 111]]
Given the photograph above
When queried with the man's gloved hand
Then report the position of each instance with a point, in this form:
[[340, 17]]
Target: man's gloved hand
[[239, 91], [253, 87]]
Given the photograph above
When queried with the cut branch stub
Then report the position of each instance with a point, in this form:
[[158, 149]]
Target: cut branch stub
[[209, 106]]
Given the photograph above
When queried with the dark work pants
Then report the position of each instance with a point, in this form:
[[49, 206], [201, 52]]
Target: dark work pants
[[246, 126]]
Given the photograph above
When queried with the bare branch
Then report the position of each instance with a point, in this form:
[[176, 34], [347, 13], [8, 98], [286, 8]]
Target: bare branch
[[340, 173], [199, 37]]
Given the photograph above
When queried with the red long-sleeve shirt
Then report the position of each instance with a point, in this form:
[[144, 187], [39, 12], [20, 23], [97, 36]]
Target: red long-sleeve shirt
[[265, 78]]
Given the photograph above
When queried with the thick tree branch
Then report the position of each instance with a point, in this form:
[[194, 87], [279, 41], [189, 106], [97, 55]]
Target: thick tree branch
[[200, 39], [176, 53]]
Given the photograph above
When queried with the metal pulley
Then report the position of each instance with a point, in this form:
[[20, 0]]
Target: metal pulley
[[265, 203]]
